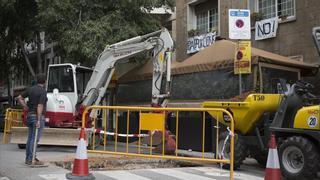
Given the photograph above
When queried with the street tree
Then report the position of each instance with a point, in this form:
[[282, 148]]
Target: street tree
[[20, 26], [10, 34], [83, 28]]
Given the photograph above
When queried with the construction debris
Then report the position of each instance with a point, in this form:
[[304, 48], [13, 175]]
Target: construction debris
[[128, 163]]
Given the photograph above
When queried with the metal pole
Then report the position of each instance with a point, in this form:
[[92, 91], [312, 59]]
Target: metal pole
[[240, 76], [35, 145], [240, 85]]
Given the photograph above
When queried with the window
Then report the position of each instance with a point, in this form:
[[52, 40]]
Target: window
[[273, 8], [252, 5], [285, 8], [202, 22], [213, 19], [267, 8], [83, 76], [60, 77], [207, 20], [316, 37]]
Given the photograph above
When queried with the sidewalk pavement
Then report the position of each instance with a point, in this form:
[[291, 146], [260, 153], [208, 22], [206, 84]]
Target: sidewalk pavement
[[12, 167]]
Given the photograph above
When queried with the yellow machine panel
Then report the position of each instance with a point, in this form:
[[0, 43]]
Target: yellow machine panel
[[307, 118], [152, 121], [246, 114]]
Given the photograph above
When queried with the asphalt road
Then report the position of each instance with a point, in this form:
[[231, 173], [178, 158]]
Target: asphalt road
[[12, 167]]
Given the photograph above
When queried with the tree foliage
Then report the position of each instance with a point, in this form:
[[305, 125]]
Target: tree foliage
[[84, 27], [15, 23], [6, 41], [18, 25]]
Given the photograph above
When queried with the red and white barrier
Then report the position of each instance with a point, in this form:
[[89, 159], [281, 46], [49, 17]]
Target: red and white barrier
[[98, 131]]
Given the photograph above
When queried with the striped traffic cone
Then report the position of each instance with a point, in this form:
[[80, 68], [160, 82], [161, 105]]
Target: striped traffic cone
[[80, 164], [272, 171]]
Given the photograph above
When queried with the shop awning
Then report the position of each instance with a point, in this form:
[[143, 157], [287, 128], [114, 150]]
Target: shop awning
[[217, 56]]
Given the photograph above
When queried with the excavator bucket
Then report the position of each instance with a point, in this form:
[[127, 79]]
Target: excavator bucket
[[49, 136], [15, 132]]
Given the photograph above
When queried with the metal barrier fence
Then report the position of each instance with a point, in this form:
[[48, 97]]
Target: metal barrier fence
[[13, 118], [151, 120]]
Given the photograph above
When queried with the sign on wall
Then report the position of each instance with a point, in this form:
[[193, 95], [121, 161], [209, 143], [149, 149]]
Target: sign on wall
[[239, 24], [266, 28], [242, 60], [316, 37], [197, 43]]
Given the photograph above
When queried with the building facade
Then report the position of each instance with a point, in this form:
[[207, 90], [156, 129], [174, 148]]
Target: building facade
[[296, 19]]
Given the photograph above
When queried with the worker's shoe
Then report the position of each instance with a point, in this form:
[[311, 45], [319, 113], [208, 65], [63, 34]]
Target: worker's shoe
[[38, 163], [27, 162]]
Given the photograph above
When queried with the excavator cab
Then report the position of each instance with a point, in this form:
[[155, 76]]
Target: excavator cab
[[68, 78], [61, 78], [83, 75], [65, 86]]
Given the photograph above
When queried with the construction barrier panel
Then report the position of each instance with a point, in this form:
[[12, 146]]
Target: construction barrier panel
[[152, 139], [13, 118]]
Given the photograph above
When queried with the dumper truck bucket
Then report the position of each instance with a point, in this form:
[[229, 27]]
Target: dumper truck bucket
[[247, 113], [49, 136]]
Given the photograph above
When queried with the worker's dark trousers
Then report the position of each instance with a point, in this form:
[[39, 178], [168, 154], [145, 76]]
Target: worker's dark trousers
[[31, 123]]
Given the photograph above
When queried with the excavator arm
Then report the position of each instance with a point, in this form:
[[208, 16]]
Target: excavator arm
[[161, 44], [61, 103]]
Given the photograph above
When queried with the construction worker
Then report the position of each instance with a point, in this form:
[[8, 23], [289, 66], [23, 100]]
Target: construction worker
[[35, 107]]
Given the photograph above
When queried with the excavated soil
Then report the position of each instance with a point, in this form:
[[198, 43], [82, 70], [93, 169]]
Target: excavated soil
[[127, 163]]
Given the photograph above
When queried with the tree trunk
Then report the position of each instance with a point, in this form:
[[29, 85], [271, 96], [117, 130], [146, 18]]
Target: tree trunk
[[26, 57], [39, 59], [6, 72], [9, 91]]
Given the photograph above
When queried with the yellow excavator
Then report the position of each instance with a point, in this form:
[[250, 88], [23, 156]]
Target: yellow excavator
[[292, 115]]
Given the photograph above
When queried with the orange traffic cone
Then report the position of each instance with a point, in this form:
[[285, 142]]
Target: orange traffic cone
[[272, 171], [80, 164]]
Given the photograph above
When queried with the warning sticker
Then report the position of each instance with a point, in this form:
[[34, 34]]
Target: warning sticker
[[312, 121]]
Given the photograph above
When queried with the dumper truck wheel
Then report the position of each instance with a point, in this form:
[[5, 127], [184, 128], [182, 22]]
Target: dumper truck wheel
[[240, 150], [299, 158], [260, 156]]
